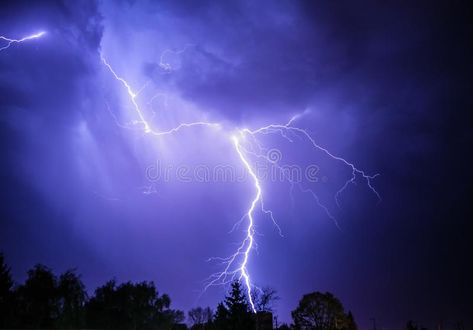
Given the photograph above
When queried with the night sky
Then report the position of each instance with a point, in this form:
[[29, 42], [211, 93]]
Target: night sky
[[386, 85]]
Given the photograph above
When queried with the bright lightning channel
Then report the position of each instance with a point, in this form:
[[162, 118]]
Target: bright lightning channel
[[233, 269], [250, 230], [142, 120], [17, 41]]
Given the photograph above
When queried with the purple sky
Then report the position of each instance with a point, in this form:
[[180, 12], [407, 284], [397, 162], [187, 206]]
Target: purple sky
[[384, 86]]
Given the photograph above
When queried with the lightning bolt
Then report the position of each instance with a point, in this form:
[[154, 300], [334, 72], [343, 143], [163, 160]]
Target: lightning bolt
[[232, 268], [17, 41], [284, 130], [142, 120], [250, 229], [236, 265], [246, 143]]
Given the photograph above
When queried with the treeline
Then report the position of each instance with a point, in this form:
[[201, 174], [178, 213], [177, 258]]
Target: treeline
[[47, 301]]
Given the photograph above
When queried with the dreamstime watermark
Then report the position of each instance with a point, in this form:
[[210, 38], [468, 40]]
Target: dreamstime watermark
[[266, 167]]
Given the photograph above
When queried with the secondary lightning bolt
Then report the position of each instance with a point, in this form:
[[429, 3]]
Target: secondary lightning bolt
[[142, 120], [288, 128], [236, 265], [166, 66], [17, 41]]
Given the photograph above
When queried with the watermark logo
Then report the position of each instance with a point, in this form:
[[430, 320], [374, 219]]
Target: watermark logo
[[268, 167]]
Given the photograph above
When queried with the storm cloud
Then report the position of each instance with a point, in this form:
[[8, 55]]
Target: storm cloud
[[386, 86]]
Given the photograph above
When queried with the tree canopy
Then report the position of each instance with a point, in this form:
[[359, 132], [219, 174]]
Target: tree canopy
[[234, 313], [322, 311], [46, 301]]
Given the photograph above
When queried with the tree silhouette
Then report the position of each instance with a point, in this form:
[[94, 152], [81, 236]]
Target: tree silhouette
[[200, 318], [265, 298], [100, 310], [131, 306], [239, 313], [321, 311], [350, 322], [412, 325], [37, 299], [6, 297], [222, 317], [72, 300], [47, 302], [234, 313]]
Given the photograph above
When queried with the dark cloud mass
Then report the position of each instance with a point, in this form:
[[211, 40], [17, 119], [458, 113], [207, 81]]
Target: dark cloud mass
[[386, 85]]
